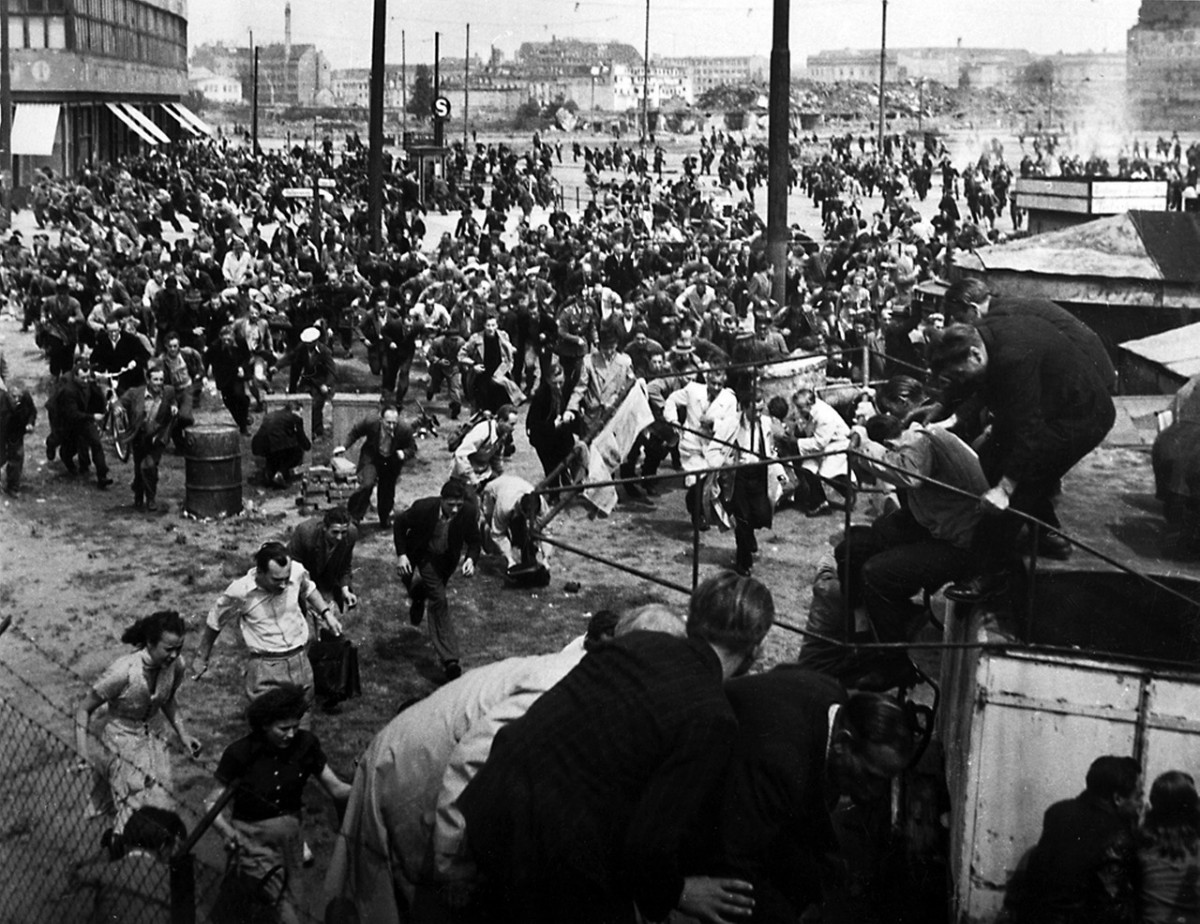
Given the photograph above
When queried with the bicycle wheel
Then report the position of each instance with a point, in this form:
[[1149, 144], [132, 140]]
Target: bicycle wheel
[[116, 426]]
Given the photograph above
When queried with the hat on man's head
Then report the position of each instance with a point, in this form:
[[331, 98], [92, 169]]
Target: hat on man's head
[[310, 335]]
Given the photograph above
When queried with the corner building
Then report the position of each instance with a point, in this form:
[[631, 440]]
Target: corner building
[[94, 80]]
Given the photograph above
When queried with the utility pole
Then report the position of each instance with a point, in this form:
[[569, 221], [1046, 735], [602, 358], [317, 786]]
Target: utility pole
[[777, 150], [403, 84], [646, 81], [254, 109], [882, 73], [466, 86], [6, 167], [438, 138], [375, 129]]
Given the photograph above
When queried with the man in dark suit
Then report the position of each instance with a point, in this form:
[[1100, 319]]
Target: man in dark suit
[[121, 354], [152, 411], [387, 443], [430, 537], [325, 546], [801, 744], [1049, 407], [228, 363], [586, 808], [73, 408], [969, 300], [282, 442]]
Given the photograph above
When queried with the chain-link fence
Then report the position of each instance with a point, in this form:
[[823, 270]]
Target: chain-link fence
[[54, 869]]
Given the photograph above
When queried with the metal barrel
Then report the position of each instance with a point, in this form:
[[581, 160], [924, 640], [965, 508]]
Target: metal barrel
[[214, 472]]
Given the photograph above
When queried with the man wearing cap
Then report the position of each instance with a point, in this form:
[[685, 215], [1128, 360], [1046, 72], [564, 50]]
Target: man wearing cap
[[430, 537], [313, 371], [265, 604]]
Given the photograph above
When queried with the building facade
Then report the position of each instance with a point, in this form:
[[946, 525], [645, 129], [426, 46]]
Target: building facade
[[93, 80], [1163, 65], [709, 73], [215, 88]]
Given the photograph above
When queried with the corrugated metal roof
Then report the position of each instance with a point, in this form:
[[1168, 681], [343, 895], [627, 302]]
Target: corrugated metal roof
[[1177, 350], [1172, 239]]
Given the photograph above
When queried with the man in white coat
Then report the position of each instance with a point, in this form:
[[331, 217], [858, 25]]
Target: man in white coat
[[697, 406], [818, 429]]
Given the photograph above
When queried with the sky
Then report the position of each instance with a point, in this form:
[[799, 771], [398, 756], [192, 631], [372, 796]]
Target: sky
[[342, 28]]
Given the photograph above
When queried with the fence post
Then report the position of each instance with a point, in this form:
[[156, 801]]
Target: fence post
[[183, 889]]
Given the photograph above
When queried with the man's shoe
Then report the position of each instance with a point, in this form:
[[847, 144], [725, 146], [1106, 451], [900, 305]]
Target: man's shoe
[[979, 587], [279, 480], [103, 482], [452, 669], [151, 507], [416, 612], [1052, 545]]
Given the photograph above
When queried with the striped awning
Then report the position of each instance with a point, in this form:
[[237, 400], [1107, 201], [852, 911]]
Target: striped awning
[[187, 126], [144, 120], [198, 123], [131, 123]]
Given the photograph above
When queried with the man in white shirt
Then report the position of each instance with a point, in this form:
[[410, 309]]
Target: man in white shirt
[[265, 603], [237, 265]]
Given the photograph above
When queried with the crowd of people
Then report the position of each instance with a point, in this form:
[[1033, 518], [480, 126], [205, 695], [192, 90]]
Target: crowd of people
[[644, 777]]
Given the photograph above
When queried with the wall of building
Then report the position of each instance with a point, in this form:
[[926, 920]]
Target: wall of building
[[1163, 65]]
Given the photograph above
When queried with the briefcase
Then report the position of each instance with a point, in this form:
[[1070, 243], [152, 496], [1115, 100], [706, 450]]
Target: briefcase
[[335, 667]]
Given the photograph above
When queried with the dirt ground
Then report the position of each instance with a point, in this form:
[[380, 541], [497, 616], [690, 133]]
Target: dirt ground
[[77, 565]]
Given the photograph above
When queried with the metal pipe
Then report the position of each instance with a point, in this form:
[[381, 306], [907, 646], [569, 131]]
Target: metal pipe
[[617, 482]]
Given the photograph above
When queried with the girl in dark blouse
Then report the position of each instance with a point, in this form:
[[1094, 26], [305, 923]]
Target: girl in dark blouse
[[267, 771]]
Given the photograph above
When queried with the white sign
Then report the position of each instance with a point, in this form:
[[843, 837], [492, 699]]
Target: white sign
[[297, 193], [441, 107]]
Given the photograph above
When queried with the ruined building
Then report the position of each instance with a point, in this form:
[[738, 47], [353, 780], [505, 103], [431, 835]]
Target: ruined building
[[1163, 72]]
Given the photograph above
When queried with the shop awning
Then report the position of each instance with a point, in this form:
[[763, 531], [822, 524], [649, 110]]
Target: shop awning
[[144, 120], [34, 128], [198, 123], [131, 123], [187, 126]]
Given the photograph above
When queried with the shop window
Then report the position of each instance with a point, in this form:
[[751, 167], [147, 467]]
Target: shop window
[[16, 32]]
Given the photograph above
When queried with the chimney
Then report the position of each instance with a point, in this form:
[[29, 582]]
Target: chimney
[[287, 32]]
